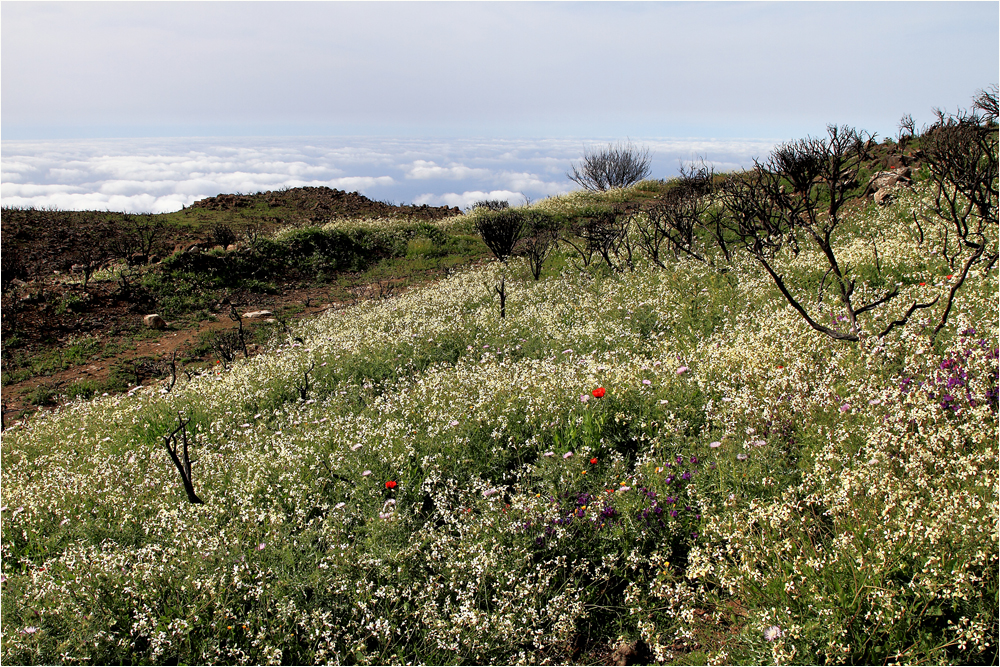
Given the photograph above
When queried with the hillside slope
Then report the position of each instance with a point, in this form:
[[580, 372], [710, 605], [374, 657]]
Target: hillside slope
[[661, 463]]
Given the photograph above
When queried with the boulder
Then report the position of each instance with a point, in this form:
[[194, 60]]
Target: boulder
[[884, 179], [631, 653], [883, 196], [154, 321], [257, 314]]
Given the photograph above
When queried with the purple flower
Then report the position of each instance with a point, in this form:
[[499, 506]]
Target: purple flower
[[567, 455], [682, 370]]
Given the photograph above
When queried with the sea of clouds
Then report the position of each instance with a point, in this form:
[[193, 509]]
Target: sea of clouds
[[166, 174]]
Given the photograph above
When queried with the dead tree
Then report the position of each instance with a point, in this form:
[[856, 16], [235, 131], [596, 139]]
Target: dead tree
[[135, 237], [542, 234], [92, 250], [961, 156], [797, 196], [604, 231], [173, 371], [677, 218], [615, 166], [500, 231], [303, 387], [178, 450], [235, 316]]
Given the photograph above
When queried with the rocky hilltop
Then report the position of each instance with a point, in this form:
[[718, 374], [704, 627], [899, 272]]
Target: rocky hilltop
[[322, 203]]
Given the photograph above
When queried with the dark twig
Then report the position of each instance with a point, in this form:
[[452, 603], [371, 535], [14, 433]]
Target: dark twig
[[303, 388], [906, 318], [181, 459]]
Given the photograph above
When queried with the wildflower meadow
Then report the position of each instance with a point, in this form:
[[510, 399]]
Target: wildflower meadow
[[667, 453]]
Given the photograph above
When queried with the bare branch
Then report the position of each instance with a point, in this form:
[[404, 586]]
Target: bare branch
[[181, 459], [616, 166]]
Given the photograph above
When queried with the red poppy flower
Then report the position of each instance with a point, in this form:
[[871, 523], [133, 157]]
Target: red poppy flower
[[598, 393], [923, 284], [593, 462], [948, 277], [390, 484]]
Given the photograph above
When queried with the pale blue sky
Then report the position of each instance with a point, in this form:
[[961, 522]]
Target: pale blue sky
[[702, 69], [147, 106]]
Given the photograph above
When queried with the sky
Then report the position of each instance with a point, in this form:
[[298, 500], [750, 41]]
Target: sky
[[155, 103]]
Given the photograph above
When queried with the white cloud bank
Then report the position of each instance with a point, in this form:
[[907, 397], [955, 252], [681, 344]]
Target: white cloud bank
[[161, 175]]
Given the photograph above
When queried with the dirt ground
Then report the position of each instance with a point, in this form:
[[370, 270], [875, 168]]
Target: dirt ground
[[45, 308]]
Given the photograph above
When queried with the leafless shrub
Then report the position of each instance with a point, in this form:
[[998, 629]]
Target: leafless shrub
[[500, 231], [491, 205], [615, 166], [676, 217], [135, 237], [541, 235], [226, 344], [797, 196], [603, 231], [223, 235], [986, 101], [303, 387], [177, 447], [93, 250], [241, 334], [961, 156]]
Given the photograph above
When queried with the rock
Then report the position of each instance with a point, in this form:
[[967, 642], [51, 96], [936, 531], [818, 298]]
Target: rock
[[154, 321], [892, 161], [883, 196], [903, 172], [231, 247], [78, 268], [193, 248], [257, 314], [884, 179], [633, 653]]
